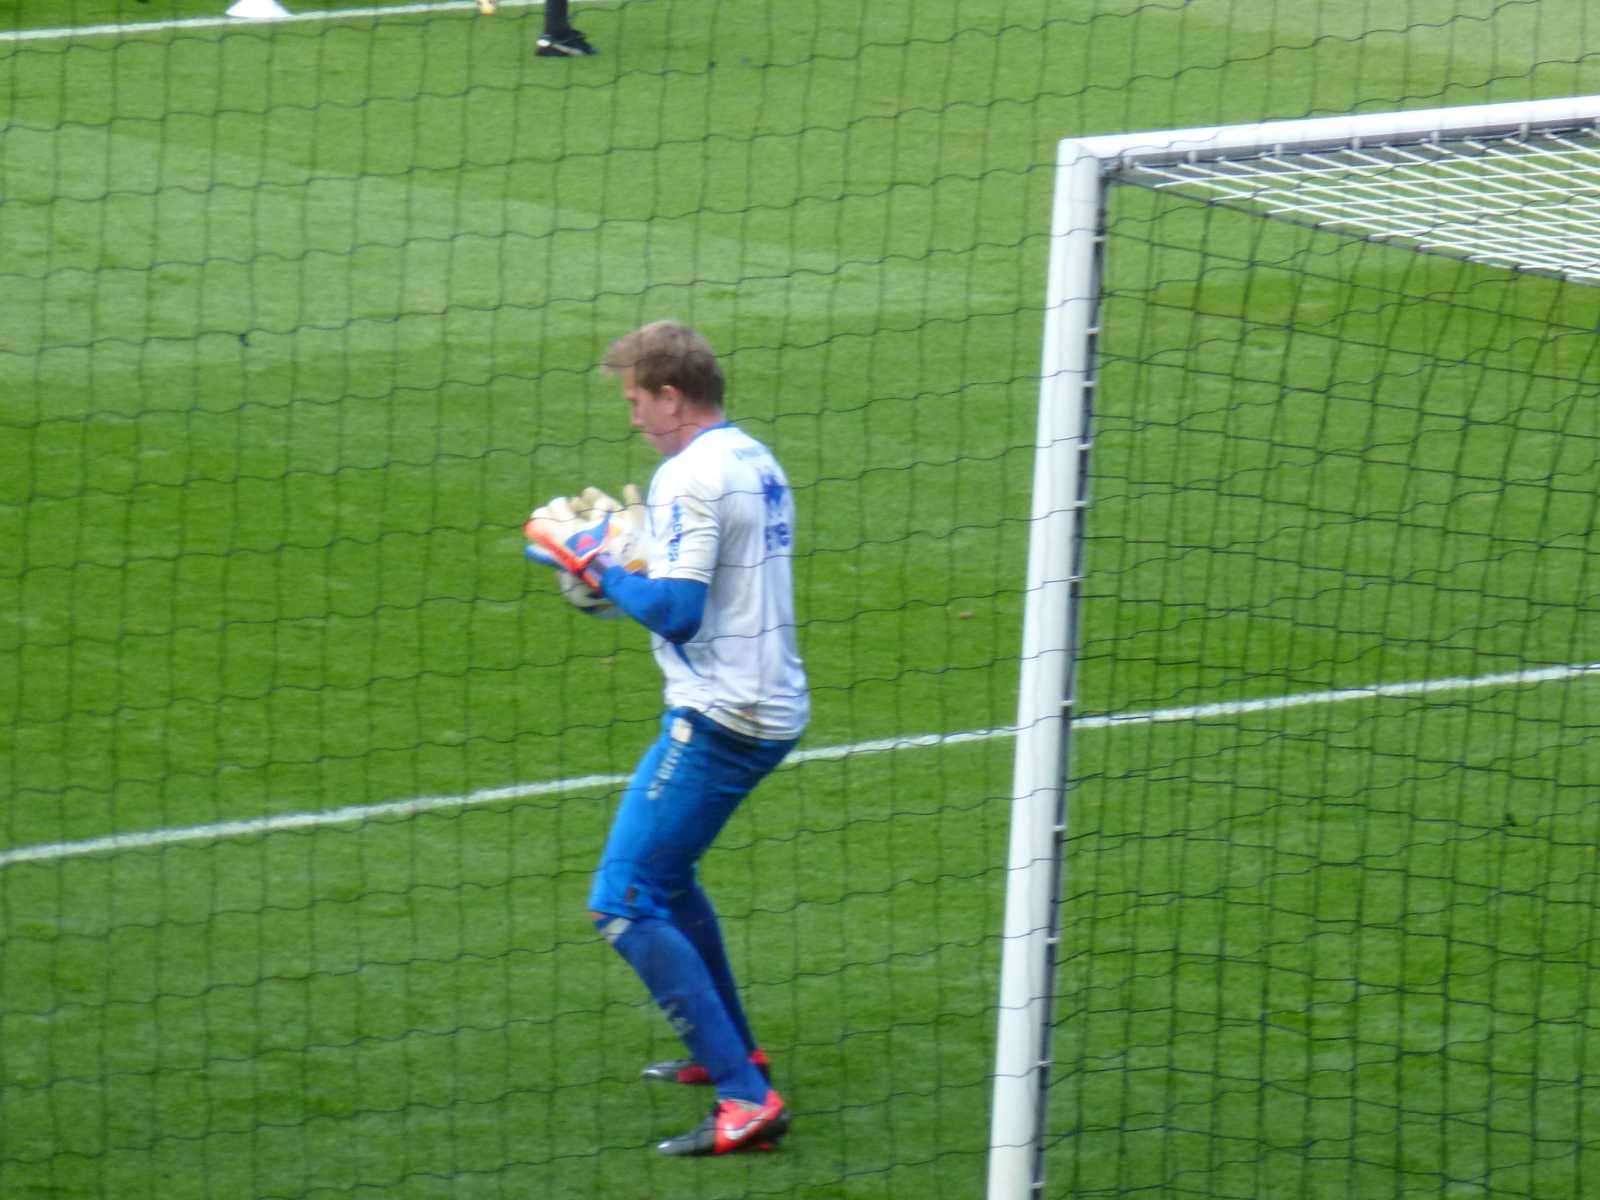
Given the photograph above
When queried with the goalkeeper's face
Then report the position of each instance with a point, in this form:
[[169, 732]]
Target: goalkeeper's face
[[662, 416]]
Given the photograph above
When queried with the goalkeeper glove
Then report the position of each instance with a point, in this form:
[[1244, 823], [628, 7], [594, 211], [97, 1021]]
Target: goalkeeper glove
[[629, 535], [591, 603], [572, 532]]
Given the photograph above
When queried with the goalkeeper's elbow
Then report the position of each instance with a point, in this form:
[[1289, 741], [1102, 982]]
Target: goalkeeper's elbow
[[680, 630], [681, 609]]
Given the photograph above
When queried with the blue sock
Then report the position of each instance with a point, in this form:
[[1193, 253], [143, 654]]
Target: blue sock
[[681, 985], [696, 919]]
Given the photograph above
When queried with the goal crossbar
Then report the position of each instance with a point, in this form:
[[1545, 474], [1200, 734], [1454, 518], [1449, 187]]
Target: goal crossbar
[[1311, 134], [1530, 202]]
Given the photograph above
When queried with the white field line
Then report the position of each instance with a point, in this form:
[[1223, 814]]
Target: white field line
[[399, 809], [132, 28]]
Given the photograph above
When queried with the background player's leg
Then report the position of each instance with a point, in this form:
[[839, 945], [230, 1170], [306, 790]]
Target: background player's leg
[[560, 39]]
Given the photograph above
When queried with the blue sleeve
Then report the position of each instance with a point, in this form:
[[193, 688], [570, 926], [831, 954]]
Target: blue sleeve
[[672, 608]]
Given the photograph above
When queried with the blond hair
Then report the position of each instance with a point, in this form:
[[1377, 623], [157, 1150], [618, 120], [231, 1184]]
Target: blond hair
[[669, 354]]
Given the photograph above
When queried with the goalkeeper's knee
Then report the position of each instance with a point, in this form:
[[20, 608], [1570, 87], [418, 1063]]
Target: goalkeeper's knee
[[610, 927]]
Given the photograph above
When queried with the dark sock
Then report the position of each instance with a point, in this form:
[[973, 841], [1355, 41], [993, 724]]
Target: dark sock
[[681, 985], [696, 919]]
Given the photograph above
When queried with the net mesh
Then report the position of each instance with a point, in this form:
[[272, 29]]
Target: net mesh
[[1329, 921], [1531, 202], [303, 770]]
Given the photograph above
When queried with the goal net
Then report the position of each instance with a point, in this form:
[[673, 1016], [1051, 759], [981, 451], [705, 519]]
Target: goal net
[[304, 769], [1314, 644]]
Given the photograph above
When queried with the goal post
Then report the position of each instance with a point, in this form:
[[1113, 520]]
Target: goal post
[[1513, 186]]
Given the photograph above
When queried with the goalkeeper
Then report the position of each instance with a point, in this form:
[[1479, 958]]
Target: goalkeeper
[[716, 532]]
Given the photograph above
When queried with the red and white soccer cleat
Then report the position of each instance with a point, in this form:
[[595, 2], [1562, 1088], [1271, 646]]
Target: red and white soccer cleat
[[733, 1125]]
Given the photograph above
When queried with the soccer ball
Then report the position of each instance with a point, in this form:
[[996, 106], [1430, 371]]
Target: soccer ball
[[586, 600]]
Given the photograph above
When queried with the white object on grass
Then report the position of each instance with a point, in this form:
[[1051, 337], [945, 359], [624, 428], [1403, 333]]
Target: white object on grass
[[258, 10]]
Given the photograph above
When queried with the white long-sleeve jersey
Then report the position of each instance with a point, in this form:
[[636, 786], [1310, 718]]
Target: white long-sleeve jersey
[[721, 512]]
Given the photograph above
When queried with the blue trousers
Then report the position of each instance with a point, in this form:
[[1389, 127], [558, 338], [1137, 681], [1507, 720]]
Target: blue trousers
[[683, 792], [647, 897]]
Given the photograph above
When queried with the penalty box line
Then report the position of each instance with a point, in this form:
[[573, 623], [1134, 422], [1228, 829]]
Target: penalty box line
[[392, 810]]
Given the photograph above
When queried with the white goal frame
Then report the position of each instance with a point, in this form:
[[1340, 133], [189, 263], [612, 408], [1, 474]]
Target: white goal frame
[[1085, 170]]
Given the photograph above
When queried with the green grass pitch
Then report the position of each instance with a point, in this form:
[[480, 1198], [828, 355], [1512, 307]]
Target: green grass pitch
[[299, 319]]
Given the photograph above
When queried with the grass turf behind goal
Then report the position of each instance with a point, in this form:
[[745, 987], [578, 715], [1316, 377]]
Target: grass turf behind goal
[[299, 322]]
